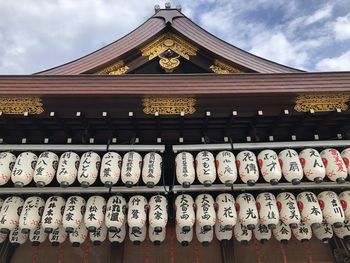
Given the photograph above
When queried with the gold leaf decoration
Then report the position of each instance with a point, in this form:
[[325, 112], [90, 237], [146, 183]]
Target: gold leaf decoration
[[169, 106], [223, 68], [169, 41], [118, 68], [20, 105], [322, 102], [169, 64]]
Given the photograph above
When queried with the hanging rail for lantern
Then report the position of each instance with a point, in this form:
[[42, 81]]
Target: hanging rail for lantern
[[81, 190], [260, 145], [260, 186], [82, 147]]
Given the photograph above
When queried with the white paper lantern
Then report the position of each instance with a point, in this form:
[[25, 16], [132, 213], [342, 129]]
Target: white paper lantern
[[58, 236], [267, 209], [242, 234], [205, 212], [78, 236], [282, 232], [67, 170], [312, 164], [137, 212], [10, 213], [158, 212], [331, 208], [115, 213], [345, 154], [226, 167], [184, 237], [73, 213], [344, 198], [247, 211], [185, 215], [110, 168], [247, 167], [7, 161], [3, 238], [17, 237], [131, 168], [262, 233], [1, 203], [22, 173], [156, 237], [152, 169], [95, 212], [205, 167], [53, 213], [288, 209], [343, 232], [335, 167], [185, 173], [117, 236], [98, 236], [31, 214], [222, 233], [204, 236], [45, 168], [37, 236], [303, 232], [226, 211], [324, 233], [309, 209], [291, 166], [88, 169], [269, 166], [137, 235]]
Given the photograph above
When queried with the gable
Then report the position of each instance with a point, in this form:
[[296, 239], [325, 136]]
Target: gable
[[171, 38]]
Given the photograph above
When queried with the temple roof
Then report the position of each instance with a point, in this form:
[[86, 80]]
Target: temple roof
[[162, 22]]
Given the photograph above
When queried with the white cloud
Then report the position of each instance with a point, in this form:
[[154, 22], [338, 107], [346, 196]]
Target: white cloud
[[36, 35], [342, 28], [276, 47], [340, 63], [320, 14]]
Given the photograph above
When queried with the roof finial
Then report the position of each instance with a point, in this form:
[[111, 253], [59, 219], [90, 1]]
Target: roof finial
[[156, 8], [167, 5], [178, 8]]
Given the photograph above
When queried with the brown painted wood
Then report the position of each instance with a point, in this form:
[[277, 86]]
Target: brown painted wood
[[168, 19], [173, 84]]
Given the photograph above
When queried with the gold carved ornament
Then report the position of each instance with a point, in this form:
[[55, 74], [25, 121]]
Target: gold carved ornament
[[118, 68], [322, 103], [169, 41], [20, 105], [169, 106], [223, 68]]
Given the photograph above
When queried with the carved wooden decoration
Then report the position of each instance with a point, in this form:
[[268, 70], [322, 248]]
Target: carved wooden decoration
[[322, 103], [20, 105], [169, 106], [169, 41], [223, 68], [117, 68]]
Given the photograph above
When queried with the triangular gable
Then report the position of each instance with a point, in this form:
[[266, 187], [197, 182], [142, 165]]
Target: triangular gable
[[168, 29]]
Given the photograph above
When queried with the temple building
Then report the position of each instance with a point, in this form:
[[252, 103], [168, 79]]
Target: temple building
[[172, 145]]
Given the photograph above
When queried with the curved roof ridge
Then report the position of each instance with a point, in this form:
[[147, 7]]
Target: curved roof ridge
[[94, 59], [154, 25], [228, 51]]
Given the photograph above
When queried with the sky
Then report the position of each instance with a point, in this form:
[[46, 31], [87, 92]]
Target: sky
[[313, 35]]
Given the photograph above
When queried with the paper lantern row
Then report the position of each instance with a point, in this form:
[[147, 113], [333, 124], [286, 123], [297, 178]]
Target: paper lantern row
[[225, 217], [69, 167], [282, 233], [71, 214], [293, 166]]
